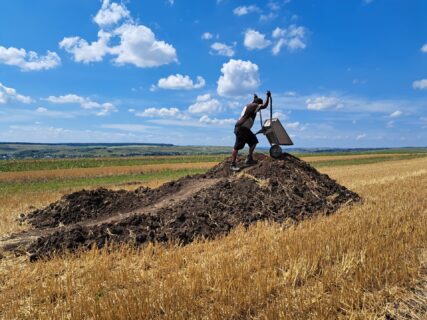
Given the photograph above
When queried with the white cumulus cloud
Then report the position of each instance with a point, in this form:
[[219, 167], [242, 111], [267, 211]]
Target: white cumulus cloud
[[215, 121], [292, 38], [84, 102], [110, 13], [10, 94], [135, 44], [139, 46], [323, 103], [244, 10], [106, 109], [84, 52], [69, 98], [255, 40], [28, 61], [420, 84], [159, 112], [180, 82], [424, 48], [396, 114], [238, 78], [205, 104], [222, 49]]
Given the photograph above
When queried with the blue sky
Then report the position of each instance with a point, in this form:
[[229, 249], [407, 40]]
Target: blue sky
[[347, 73]]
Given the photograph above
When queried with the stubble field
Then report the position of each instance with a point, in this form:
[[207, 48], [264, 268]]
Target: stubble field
[[358, 263]]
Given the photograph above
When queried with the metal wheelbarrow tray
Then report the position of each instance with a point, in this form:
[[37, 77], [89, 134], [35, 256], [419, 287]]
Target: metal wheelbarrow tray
[[275, 133]]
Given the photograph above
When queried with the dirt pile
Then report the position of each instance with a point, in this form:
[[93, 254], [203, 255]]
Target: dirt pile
[[199, 206], [91, 204]]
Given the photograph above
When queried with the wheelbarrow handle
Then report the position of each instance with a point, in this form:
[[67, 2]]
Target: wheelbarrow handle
[[271, 113], [271, 107]]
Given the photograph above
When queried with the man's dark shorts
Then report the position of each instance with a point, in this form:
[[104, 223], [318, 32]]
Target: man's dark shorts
[[243, 136]]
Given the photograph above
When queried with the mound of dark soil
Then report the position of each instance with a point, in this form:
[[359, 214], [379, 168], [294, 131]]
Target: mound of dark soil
[[274, 190], [90, 204]]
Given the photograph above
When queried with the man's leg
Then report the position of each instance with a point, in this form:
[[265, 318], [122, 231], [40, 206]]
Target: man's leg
[[250, 160], [252, 141], [251, 151], [239, 144], [234, 156]]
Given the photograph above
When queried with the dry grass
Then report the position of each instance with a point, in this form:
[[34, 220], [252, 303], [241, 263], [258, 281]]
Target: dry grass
[[348, 265], [358, 176], [349, 156], [12, 205], [412, 301]]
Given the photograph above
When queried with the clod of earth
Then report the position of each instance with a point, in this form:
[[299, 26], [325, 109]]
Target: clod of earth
[[205, 205]]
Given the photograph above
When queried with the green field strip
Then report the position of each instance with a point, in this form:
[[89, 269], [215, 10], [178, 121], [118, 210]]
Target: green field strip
[[31, 165]]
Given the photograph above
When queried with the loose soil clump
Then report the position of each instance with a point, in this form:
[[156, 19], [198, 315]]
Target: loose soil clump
[[274, 190]]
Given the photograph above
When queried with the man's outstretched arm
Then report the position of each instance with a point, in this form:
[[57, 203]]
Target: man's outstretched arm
[[267, 100]]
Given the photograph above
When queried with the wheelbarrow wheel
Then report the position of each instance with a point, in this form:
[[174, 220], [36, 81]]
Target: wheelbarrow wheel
[[276, 151]]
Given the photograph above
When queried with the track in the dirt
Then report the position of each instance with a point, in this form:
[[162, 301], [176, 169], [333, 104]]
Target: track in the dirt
[[195, 206]]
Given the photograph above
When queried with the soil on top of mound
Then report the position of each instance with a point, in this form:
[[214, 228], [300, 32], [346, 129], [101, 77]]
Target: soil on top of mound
[[275, 190]]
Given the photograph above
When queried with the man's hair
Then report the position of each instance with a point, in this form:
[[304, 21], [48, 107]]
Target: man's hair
[[257, 100]]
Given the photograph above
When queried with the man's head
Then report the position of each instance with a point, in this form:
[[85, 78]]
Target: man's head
[[257, 100]]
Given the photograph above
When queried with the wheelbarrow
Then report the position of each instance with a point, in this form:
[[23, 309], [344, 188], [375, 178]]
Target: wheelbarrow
[[275, 133]]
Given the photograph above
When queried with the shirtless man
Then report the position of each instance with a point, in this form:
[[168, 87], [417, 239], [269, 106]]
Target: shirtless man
[[243, 132]]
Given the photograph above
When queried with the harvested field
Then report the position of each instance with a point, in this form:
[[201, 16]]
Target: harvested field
[[317, 158], [412, 301], [363, 262], [215, 203]]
